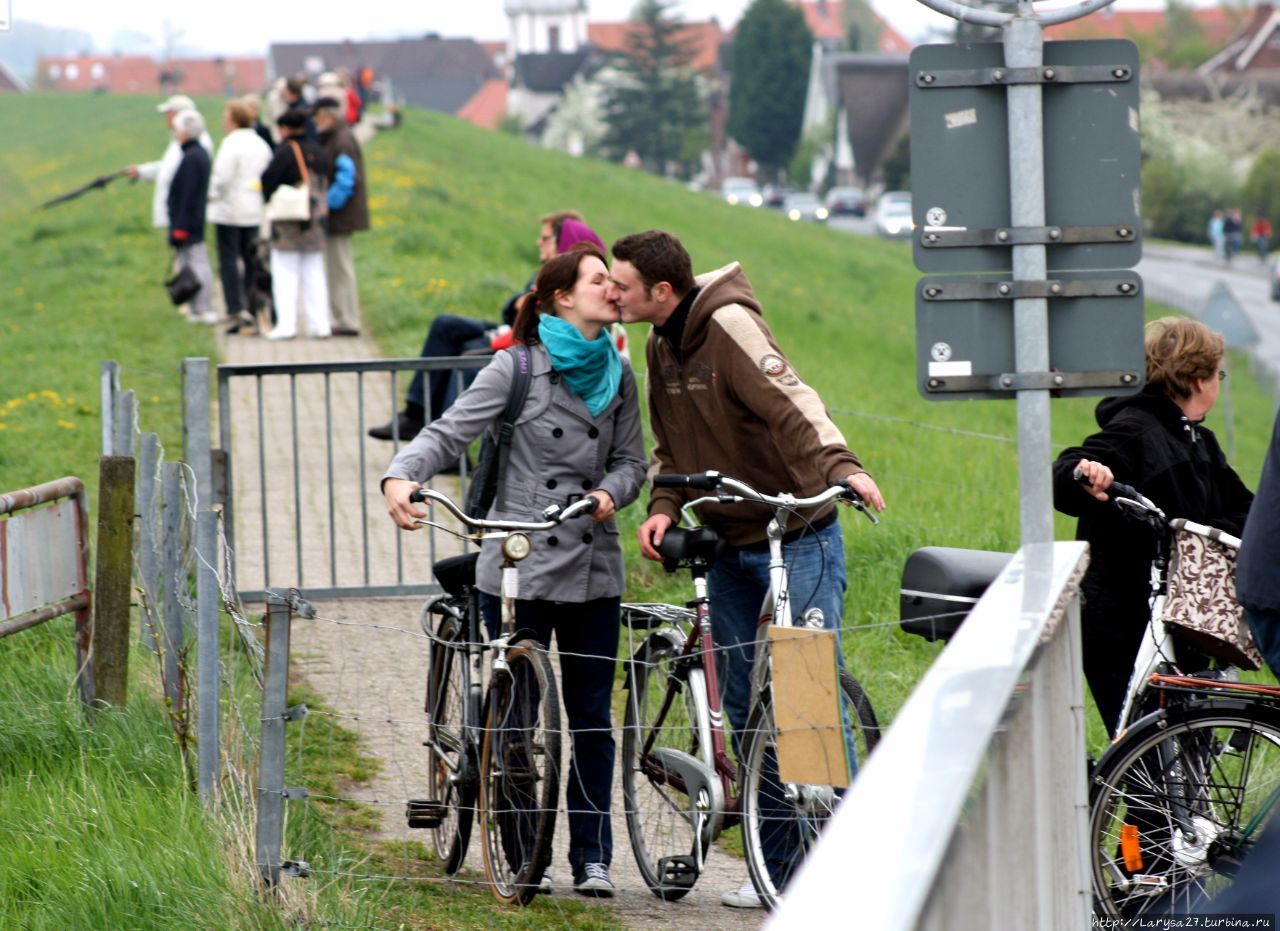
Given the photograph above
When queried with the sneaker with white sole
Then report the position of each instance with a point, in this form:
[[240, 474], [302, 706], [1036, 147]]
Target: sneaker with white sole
[[594, 881], [745, 896]]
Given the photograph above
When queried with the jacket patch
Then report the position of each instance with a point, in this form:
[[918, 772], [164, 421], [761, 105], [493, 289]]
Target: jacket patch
[[776, 367]]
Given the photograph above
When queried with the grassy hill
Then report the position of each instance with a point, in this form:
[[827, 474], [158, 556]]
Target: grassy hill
[[454, 222]]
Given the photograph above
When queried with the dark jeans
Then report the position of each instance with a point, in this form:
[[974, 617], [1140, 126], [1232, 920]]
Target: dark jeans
[[1265, 626], [237, 264], [587, 638], [449, 335]]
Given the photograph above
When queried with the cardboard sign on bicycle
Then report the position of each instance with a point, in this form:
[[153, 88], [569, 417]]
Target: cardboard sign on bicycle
[[807, 713]]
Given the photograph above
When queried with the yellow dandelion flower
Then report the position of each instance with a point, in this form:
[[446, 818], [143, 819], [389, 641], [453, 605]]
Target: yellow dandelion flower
[[39, 306], [155, 399], [66, 424], [31, 396], [3, 425]]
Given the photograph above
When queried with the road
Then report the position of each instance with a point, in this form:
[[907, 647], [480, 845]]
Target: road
[[1183, 277]]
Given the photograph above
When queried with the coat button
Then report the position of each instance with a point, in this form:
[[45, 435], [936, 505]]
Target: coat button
[[593, 433], [586, 538], [586, 484], [553, 541], [555, 378], [551, 483], [557, 433]]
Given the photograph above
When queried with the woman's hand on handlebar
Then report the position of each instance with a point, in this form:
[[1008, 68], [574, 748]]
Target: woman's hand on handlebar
[[650, 535], [396, 491], [867, 489], [1094, 478], [605, 507]]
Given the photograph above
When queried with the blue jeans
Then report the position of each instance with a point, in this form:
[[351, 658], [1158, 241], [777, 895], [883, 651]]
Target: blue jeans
[[737, 585], [587, 637], [448, 335], [1265, 626]]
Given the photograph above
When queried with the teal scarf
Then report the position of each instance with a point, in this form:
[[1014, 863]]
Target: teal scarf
[[592, 368]]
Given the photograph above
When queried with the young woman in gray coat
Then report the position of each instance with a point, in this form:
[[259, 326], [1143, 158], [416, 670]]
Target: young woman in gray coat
[[579, 434]]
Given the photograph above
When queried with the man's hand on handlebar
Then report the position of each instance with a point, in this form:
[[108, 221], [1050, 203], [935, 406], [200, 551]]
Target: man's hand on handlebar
[[651, 533], [1094, 478], [867, 489], [396, 491]]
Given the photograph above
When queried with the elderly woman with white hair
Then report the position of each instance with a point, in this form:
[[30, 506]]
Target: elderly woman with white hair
[[188, 195]]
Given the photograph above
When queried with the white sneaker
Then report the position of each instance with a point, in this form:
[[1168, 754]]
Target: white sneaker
[[745, 896], [280, 334], [594, 881]]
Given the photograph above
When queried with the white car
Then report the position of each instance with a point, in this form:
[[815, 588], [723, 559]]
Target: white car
[[742, 191], [893, 215], [804, 206]]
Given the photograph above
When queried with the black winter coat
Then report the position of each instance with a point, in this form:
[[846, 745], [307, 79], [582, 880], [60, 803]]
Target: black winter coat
[[1148, 443], [189, 194]]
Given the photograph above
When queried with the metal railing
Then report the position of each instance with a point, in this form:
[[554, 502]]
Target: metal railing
[[357, 551], [972, 812]]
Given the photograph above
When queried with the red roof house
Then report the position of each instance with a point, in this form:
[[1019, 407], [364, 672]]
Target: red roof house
[[825, 19]]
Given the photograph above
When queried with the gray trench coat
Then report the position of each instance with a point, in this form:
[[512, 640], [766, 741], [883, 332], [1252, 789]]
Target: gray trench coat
[[558, 449]]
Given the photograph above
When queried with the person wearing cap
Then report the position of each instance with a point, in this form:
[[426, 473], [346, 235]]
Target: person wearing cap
[[161, 171], [297, 246], [348, 214], [185, 205]]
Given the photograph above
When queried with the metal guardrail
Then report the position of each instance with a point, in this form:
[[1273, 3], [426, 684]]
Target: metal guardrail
[[44, 564], [349, 570], [972, 812]]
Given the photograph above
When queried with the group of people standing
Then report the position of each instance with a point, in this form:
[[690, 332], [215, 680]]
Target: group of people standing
[[308, 261], [1226, 234]]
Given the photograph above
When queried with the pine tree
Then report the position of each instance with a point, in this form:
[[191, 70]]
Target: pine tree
[[654, 103], [772, 51]]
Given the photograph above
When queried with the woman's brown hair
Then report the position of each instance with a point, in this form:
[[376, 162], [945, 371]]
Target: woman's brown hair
[[1180, 350], [556, 275], [240, 114]]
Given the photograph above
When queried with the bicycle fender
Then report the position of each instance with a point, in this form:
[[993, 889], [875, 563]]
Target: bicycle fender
[[661, 636]]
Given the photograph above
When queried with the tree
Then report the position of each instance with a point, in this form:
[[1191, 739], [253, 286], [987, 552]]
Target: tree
[[1262, 187], [654, 102], [772, 52], [862, 28]]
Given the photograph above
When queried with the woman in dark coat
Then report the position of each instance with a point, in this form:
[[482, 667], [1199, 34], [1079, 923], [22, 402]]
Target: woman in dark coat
[[1155, 441]]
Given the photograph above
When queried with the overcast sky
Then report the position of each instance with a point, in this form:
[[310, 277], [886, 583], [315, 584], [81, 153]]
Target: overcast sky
[[232, 26]]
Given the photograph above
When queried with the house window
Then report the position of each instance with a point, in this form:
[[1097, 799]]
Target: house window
[[73, 71], [96, 71], [55, 72], [553, 38]]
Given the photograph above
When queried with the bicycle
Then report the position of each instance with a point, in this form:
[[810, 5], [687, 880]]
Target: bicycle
[[679, 785], [1193, 776], [505, 749]]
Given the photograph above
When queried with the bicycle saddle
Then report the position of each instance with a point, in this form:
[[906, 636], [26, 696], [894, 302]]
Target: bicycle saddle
[[457, 573], [681, 548]]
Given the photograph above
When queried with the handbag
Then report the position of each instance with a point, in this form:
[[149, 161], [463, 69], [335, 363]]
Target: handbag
[[1201, 603], [183, 286], [292, 202]]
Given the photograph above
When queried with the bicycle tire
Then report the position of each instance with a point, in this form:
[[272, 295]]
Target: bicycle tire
[[520, 773], [1155, 776], [764, 807], [451, 780], [661, 712]]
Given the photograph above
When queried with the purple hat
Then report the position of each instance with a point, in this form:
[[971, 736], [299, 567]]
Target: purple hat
[[573, 232]]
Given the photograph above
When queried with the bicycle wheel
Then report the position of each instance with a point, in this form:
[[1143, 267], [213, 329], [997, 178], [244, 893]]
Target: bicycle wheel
[[1177, 803], [780, 823], [669, 831], [452, 778], [520, 773]]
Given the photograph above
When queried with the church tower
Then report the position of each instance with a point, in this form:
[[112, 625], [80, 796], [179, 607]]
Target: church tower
[[540, 27]]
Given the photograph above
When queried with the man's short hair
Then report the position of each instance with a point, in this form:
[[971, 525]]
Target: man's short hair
[[556, 220], [329, 103], [188, 123], [657, 256]]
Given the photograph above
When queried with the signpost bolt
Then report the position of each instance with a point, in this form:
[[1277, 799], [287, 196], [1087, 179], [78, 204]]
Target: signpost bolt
[[1055, 288], [1050, 74], [997, 75], [1004, 289], [934, 383], [1058, 379], [1007, 381], [1003, 235], [1124, 232], [1055, 234], [932, 292], [931, 237], [926, 79], [1126, 287], [1128, 378], [1120, 72]]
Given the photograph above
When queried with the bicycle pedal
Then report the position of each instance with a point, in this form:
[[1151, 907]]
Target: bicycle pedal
[[678, 872], [421, 813]]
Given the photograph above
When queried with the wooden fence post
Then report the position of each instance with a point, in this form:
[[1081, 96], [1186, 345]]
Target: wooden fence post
[[111, 590]]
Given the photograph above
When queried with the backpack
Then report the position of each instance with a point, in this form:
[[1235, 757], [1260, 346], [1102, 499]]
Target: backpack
[[495, 447]]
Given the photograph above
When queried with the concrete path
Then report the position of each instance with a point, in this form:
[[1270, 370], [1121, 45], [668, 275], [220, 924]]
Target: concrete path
[[366, 657]]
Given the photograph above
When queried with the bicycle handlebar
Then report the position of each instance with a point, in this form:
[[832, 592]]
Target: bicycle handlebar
[[712, 480], [1125, 496], [551, 517]]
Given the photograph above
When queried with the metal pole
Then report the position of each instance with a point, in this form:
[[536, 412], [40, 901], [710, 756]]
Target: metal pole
[[109, 382], [196, 442], [269, 834], [148, 563], [1024, 48], [123, 424], [207, 605], [171, 635]]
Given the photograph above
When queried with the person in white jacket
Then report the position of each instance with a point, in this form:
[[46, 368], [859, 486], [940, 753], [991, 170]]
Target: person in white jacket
[[162, 171], [235, 209]]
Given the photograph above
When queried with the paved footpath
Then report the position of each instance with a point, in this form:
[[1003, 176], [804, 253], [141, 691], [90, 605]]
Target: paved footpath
[[365, 657]]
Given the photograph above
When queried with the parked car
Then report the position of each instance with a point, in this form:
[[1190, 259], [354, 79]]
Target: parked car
[[893, 214], [804, 206], [776, 194], [846, 200], [741, 191]]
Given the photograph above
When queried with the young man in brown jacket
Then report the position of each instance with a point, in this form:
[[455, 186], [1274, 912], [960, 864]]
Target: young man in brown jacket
[[723, 396]]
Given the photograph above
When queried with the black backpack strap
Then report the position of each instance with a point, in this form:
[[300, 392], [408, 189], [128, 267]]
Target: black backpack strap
[[522, 376]]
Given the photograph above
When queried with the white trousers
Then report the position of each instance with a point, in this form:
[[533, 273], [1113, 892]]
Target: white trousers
[[293, 271]]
